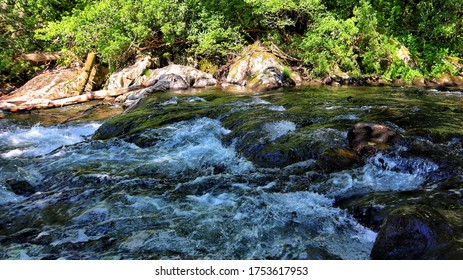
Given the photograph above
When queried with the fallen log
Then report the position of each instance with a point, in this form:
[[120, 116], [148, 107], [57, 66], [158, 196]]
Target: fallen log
[[40, 103]]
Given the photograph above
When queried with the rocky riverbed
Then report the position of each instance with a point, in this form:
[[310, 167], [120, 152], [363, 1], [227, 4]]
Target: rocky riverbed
[[299, 173]]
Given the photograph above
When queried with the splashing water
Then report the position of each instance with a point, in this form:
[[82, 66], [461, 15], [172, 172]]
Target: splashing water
[[276, 130], [39, 140], [381, 173], [187, 193], [184, 147]]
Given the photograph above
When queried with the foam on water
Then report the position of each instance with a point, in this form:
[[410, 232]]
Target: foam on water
[[39, 140], [189, 99], [350, 117], [278, 225], [258, 101], [170, 101], [223, 199], [7, 196], [334, 107], [240, 105], [381, 173], [184, 147], [252, 225], [446, 92], [195, 99], [276, 130], [277, 108]]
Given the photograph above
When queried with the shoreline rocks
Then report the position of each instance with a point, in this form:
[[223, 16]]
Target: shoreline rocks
[[172, 77], [260, 71]]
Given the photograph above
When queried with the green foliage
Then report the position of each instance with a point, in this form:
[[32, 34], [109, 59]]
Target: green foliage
[[114, 28], [431, 29], [330, 45], [357, 37], [212, 32], [207, 66], [286, 73], [18, 20]]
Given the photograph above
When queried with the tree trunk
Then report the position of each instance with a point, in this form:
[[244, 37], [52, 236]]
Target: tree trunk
[[83, 78]]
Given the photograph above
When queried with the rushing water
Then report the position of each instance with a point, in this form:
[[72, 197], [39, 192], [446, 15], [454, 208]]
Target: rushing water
[[194, 188]]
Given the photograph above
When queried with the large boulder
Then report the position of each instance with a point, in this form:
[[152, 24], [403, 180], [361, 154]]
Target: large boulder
[[192, 77], [50, 85], [172, 77], [418, 232], [368, 138], [130, 75], [53, 85], [260, 71]]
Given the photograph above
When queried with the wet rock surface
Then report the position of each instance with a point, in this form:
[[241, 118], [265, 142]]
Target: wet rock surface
[[420, 232], [210, 174], [366, 139]]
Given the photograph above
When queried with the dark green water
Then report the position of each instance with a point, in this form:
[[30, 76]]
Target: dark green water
[[215, 175]]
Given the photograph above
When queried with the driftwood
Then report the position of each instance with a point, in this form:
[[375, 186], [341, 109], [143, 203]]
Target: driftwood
[[48, 103], [40, 57]]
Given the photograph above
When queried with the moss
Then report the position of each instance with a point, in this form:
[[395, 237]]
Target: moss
[[254, 81], [147, 72], [207, 66], [151, 114], [286, 73]]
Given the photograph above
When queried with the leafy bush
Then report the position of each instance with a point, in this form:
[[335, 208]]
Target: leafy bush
[[18, 21], [357, 37]]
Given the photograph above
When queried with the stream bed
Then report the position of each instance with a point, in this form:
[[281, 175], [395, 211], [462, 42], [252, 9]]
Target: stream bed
[[210, 174]]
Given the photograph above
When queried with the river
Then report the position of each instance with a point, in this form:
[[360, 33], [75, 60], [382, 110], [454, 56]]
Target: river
[[211, 174]]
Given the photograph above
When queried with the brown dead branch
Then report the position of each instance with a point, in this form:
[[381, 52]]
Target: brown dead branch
[[40, 57]]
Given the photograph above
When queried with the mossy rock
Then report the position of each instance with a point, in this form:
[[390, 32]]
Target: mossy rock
[[207, 66], [260, 71], [337, 159], [419, 232], [151, 113]]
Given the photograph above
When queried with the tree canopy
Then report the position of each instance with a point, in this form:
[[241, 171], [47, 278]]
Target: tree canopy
[[357, 37]]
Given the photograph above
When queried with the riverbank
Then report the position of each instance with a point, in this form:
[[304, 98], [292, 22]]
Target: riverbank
[[258, 69]]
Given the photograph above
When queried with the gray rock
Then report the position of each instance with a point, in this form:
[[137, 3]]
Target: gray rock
[[172, 77], [130, 75], [260, 71], [189, 75]]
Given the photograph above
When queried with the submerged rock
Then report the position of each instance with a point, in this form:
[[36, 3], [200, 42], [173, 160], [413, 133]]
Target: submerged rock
[[418, 232], [20, 187], [368, 138], [337, 159]]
